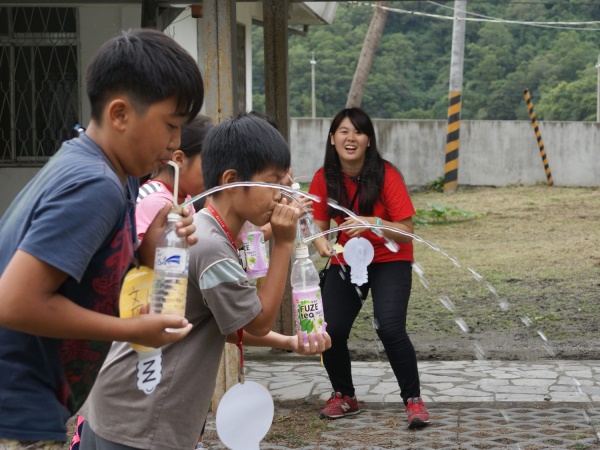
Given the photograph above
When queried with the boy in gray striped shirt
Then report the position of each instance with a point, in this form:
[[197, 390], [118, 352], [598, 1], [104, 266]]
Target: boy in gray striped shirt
[[220, 301]]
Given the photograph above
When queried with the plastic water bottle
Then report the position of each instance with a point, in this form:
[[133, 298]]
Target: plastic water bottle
[[306, 228], [255, 251], [169, 284], [306, 295]]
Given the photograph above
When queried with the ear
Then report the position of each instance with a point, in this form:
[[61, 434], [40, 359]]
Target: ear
[[331, 139], [229, 176], [118, 113], [179, 158]]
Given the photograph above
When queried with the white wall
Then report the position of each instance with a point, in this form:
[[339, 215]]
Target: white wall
[[185, 31], [244, 16], [492, 153], [99, 23]]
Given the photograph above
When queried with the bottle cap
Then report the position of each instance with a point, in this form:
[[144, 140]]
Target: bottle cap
[[301, 251], [295, 185], [172, 217]]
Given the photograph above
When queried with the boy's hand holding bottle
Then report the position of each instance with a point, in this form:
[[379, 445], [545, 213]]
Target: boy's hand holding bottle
[[185, 227], [283, 222], [316, 343], [150, 330]]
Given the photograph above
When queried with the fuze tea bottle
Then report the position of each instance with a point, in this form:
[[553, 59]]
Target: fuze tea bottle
[[306, 295], [169, 284], [255, 251]]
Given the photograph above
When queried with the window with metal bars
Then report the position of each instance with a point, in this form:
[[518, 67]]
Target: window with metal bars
[[39, 82]]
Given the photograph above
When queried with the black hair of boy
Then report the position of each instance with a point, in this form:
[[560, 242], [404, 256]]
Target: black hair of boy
[[148, 66], [245, 143]]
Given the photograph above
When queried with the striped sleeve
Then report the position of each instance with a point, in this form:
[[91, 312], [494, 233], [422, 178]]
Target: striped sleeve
[[231, 299]]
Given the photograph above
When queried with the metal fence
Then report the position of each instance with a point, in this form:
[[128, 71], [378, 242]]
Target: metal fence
[[39, 82]]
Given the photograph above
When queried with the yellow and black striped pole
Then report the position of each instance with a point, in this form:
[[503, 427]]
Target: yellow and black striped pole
[[452, 142], [538, 135]]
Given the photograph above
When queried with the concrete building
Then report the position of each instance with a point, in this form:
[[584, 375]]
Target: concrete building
[[46, 45]]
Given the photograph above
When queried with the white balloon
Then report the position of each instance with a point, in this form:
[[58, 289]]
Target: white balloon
[[358, 253], [244, 416]]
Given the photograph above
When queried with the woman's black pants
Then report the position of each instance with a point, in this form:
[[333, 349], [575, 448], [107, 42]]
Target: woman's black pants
[[390, 284]]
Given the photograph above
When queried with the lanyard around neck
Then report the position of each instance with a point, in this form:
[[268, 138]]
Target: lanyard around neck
[[351, 202], [240, 332], [219, 219]]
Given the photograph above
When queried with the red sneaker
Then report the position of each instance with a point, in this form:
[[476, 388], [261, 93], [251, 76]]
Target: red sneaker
[[339, 406], [418, 417]]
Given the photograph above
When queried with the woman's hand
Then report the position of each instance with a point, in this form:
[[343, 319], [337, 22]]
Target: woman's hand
[[324, 247], [305, 204], [360, 226]]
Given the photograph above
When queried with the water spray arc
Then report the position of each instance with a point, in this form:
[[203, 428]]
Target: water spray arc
[[590, 413]]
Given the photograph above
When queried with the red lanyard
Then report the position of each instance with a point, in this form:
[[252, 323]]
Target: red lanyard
[[240, 332], [216, 215]]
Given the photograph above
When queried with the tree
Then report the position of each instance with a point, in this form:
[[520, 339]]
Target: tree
[[365, 61]]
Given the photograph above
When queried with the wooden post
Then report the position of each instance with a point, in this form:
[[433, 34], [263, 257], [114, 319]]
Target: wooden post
[[219, 41], [275, 21]]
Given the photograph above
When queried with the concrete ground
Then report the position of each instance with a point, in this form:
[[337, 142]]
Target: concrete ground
[[473, 404]]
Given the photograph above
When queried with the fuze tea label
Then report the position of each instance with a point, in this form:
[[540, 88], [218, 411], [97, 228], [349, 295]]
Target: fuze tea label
[[257, 259], [308, 312]]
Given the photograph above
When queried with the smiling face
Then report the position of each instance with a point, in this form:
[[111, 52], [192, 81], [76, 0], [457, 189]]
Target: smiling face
[[350, 145]]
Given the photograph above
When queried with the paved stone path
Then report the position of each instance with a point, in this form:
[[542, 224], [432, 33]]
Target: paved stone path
[[452, 381], [473, 404]]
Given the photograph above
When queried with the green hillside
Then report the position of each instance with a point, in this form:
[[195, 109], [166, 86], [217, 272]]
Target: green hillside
[[410, 74]]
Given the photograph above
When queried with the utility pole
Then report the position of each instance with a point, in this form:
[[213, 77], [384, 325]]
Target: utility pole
[[454, 97], [598, 92], [313, 98]]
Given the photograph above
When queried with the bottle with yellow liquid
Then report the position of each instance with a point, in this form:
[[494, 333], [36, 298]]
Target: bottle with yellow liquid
[[169, 285], [135, 296]]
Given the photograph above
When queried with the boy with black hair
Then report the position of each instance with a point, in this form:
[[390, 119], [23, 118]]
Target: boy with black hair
[[220, 301], [69, 237]]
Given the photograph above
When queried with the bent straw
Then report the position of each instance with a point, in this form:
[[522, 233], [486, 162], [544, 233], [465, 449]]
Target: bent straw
[[211, 191], [176, 207]]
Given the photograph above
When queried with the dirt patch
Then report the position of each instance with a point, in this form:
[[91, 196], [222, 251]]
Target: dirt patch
[[528, 282]]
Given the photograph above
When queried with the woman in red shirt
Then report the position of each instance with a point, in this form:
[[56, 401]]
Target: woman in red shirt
[[358, 178]]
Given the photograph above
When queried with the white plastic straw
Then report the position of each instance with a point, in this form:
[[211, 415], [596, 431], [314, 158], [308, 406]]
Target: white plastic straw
[[176, 182]]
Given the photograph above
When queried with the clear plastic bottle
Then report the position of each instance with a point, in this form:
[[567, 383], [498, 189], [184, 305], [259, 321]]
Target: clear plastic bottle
[[255, 251], [306, 228], [169, 284], [306, 295]]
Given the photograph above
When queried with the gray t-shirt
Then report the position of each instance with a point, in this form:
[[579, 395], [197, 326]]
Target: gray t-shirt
[[219, 301]]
